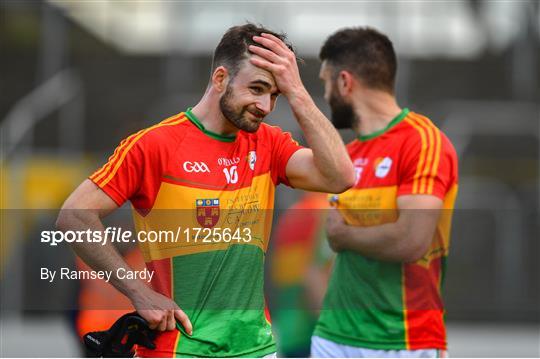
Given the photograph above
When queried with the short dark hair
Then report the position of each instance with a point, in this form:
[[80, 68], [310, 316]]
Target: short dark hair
[[366, 53], [233, 47]]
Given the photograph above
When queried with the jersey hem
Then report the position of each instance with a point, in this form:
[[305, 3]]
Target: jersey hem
[[405, 192], [270, 349], [112, 193], [286, 181], [368, 344]]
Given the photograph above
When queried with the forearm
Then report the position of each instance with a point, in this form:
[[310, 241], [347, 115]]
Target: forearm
[[386, 242], [329, 153], [100, 257]]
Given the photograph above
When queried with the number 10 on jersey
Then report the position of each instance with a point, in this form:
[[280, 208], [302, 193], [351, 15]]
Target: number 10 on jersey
[[231, 174]]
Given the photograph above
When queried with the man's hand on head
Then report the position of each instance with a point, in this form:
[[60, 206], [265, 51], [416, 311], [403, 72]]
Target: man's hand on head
[[274, 56], [325, 166]]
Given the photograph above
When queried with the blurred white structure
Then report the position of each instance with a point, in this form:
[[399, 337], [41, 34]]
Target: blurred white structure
[[453, 29]]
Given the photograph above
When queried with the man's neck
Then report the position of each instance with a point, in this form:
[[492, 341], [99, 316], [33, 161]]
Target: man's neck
[[210, 116], [375, 110]]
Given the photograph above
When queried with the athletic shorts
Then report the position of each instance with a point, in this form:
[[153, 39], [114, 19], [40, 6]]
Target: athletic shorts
[[323, 348]]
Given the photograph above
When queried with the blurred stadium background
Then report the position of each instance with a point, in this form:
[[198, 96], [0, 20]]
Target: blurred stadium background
[[78, 76]]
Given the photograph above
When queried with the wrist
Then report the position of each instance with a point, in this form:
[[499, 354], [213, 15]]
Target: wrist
[[135, 289], [298, 98]]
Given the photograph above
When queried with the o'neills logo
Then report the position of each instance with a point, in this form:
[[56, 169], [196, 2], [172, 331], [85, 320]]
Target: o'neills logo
[[222, 161], [207, 211], [382, 167]]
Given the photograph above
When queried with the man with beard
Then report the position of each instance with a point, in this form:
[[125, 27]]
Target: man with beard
[[391, 230], [220, 164]]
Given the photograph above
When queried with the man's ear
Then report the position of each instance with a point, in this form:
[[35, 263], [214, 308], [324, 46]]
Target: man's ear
[[220, 78], [345, 83]]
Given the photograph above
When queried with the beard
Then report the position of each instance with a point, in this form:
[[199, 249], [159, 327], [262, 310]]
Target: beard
[[342, 113], [237, 116]]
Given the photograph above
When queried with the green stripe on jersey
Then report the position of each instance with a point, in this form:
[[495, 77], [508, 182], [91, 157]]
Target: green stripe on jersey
[[374, 300], [222, 294], [392, 123]]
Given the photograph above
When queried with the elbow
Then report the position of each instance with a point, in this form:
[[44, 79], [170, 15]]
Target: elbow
[[414, 253], [62, 221], [345, 181], [339, 187], [71, 217], [410, 246], [67, 217], [412, 256]]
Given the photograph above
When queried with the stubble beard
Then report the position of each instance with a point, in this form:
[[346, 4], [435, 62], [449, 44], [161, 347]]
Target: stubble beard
[[236, 116], [342, 113]]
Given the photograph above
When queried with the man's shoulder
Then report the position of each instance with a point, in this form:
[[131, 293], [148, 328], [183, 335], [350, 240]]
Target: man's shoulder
[[165, 132], [171, 125], [419, 131], [269, 133], [416, 126], [267, 129]]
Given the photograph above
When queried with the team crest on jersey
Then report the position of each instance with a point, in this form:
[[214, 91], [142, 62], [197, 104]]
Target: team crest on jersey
[[252, 158], [382, 167], [207, 211]]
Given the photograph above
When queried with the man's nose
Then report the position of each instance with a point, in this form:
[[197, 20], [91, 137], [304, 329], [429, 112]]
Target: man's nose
[[264, 104]]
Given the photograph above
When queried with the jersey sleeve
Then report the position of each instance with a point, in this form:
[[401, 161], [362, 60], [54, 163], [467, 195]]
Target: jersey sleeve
[[120, 177], [283, 148], [428, 164]]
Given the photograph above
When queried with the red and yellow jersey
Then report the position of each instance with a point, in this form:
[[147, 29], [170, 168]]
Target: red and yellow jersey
[[179, 176], [386, 305]]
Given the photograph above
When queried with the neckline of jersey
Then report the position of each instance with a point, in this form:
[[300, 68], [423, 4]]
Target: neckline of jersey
[[200, 126], [392, 123]]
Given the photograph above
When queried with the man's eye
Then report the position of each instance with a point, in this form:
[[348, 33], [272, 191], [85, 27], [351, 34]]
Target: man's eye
[[256, 90]]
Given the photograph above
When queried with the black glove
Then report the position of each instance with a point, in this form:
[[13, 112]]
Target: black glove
[[118, 341]]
